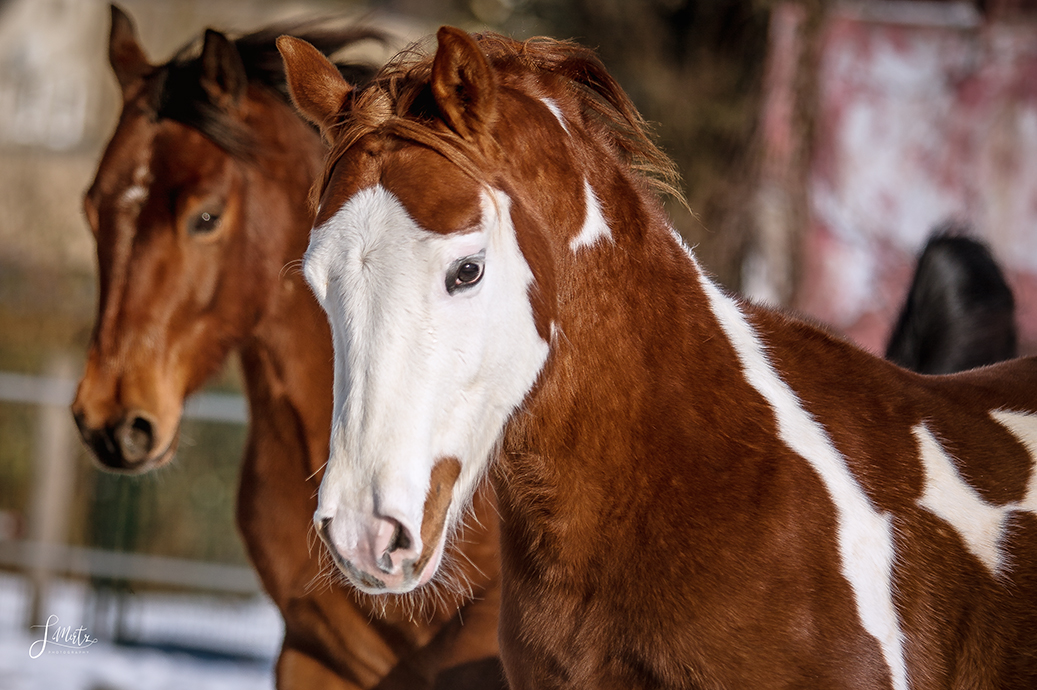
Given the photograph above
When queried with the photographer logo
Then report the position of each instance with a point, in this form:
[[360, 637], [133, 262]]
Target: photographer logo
[[60, 639]]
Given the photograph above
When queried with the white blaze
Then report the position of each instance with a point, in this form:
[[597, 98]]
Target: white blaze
[[420, 374], [137, 193]]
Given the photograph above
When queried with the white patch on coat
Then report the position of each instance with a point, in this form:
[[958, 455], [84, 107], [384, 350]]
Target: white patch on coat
[[594, 226], [420, 374], [552, 105], [980, 524], [865, 535], [1024, 427], [947, 496]]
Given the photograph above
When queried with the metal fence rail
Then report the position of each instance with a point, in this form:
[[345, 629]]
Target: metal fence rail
[[47, 390], [61, 559]]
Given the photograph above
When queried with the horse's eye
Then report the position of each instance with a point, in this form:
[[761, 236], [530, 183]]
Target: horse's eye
[[469, 272], [204, 223], [464, 273]]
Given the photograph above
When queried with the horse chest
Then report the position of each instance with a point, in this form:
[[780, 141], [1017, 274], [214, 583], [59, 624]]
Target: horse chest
[[670, 604]]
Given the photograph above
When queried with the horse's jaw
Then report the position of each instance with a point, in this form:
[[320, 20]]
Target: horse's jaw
[[426, 378]]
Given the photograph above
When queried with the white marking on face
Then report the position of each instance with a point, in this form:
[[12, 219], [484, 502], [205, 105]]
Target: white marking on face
[[420, 374], [135, 194], [950, 498], [1024, 427], [552, 105], [865, 535], [594, 225]]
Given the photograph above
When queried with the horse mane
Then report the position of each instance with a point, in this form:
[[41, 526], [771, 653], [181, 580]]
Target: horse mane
[[175, 91], [398, 100]]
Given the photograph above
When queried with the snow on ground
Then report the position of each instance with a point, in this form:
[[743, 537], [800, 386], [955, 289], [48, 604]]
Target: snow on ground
[[108, 667], [234, 641]]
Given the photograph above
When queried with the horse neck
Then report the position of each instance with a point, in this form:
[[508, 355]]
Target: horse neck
[[287, 370], [286, 358], [635, 341]]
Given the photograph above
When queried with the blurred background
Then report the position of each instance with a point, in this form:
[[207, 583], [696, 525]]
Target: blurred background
[[820, 143]]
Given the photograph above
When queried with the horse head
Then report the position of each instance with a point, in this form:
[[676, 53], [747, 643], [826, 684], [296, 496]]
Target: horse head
[[176, 196], [457, 191]]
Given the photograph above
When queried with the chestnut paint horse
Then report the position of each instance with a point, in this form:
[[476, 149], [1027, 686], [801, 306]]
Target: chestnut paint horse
[[695, 492], [199, 211]]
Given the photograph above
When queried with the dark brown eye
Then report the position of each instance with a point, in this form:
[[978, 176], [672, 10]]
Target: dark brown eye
[[205, 223], [466, 272], [469, 272]]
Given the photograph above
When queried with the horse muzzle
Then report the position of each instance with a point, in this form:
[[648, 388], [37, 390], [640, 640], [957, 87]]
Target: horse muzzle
[[383, 553], [383, 557], [129, 443]]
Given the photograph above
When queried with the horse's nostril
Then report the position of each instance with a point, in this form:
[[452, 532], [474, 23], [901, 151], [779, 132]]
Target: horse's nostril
[[323, 527], [80, 419], [135, 437], [101, 442], [400, 539]]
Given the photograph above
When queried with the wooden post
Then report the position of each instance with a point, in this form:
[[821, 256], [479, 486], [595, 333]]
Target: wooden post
[[768, 271], [53, 479]]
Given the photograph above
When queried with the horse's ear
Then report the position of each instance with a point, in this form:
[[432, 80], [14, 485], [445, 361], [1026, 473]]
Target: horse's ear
[[223, 72], [318, 89], [463, 84], [124, 52]]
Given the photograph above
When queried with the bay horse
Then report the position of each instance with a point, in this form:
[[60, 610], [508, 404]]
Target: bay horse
[[694, 491], [200, 216], [959, 312]]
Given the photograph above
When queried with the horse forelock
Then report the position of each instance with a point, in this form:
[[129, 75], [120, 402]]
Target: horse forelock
[[399, 102]]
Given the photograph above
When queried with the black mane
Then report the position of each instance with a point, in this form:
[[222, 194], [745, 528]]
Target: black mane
[[176, 93]]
